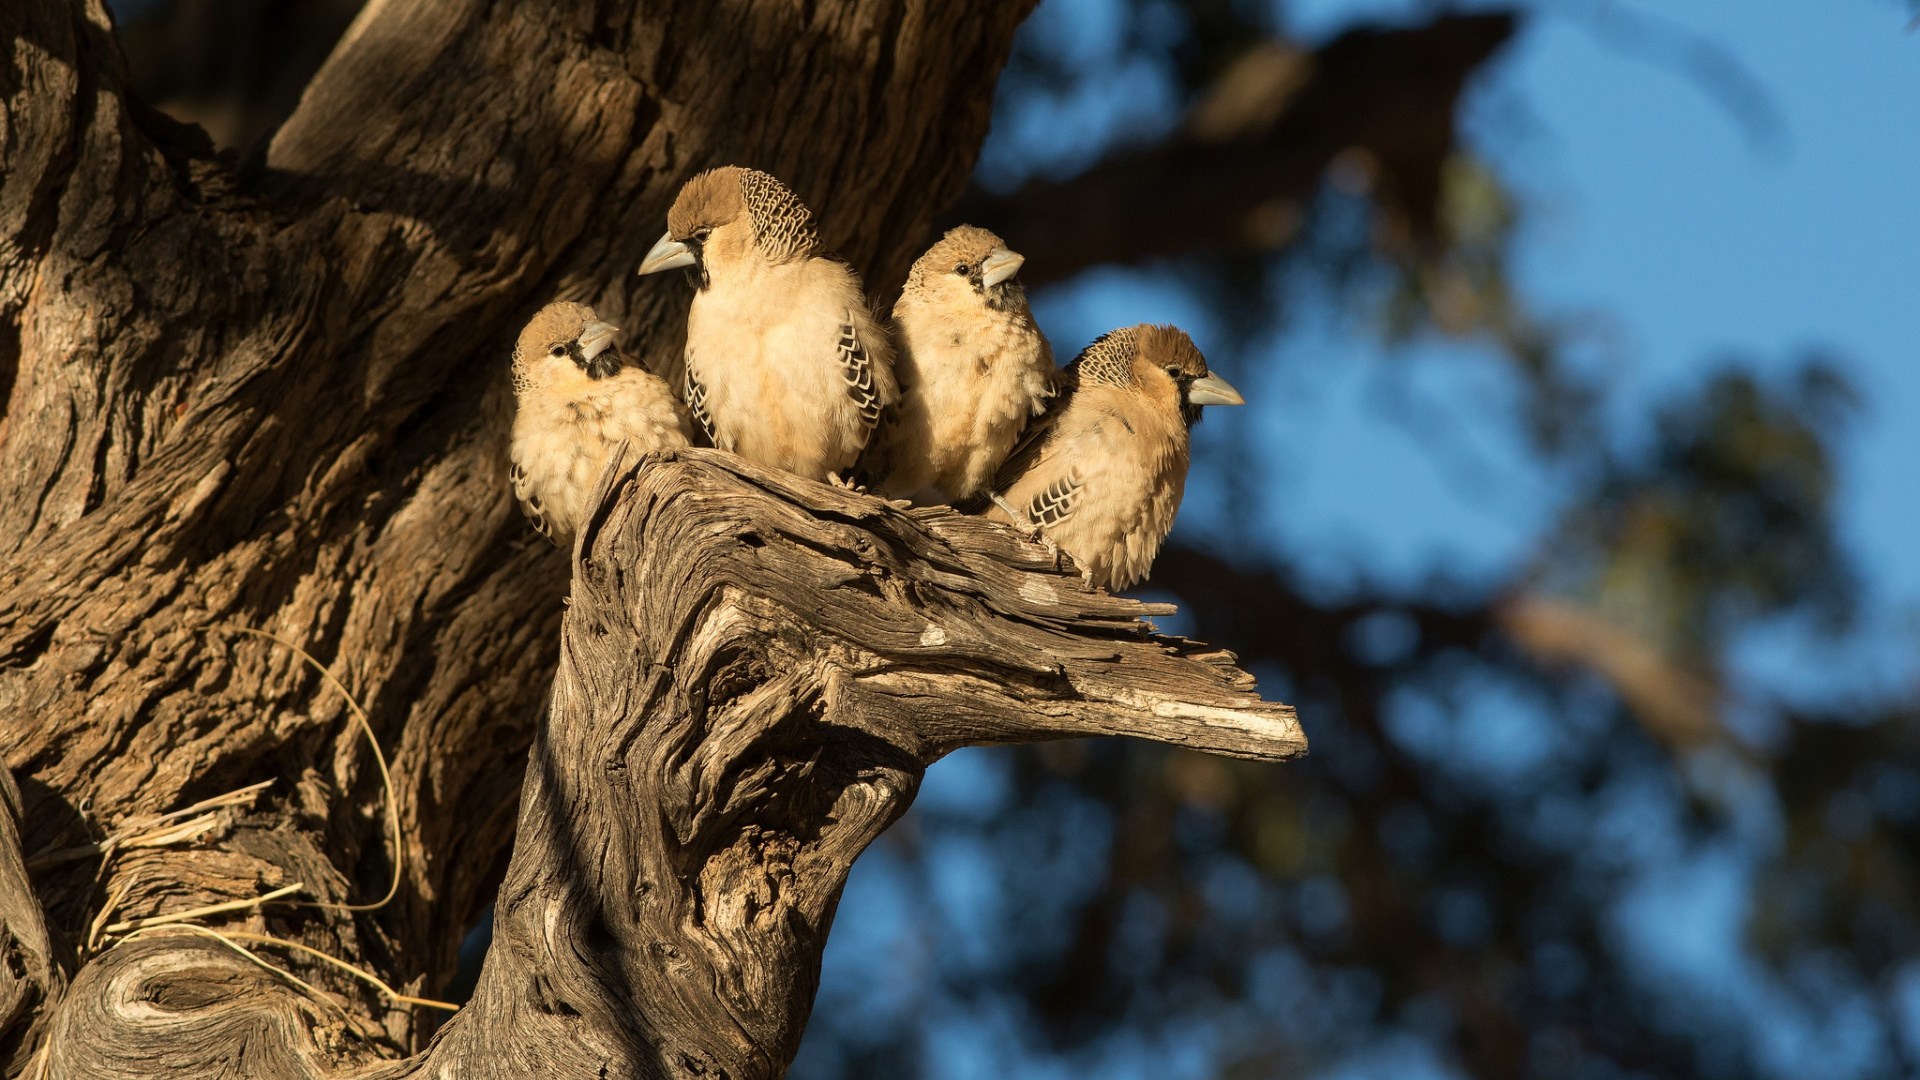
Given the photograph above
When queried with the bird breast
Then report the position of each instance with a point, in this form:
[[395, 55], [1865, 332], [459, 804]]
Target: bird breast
[[1132, 464], [972, 381], [763, 339], [561, 441]]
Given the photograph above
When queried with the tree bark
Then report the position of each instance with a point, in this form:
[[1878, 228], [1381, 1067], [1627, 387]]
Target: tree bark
[[275, 398], [755, 670]]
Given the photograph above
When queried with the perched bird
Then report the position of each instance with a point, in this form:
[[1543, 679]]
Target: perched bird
[[578, 397], [1101, 474], [972, 367], [785, 364]]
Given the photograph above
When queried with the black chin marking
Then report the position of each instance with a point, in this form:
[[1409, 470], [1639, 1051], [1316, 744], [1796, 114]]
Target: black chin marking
[[606, 363], [1009, 295], [697, 273]]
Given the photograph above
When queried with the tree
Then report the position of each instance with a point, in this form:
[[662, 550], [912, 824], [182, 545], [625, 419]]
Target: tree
[[174, 311], [263, 407]]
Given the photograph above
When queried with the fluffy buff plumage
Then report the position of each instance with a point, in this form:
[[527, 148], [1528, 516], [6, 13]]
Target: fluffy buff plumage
[[577, 399], [1101, 475], [972, 365], [785, 364]]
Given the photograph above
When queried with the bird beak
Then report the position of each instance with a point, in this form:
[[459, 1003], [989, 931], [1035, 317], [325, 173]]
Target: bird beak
[[595, 337], [999, 265], [666, 255], [1213, 390]]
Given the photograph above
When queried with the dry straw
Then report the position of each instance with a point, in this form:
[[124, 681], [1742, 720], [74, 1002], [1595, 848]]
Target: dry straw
[[161, 831]]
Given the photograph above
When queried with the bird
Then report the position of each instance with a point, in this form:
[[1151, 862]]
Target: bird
[[1100, 475], [578, 397], [973, 369], [786, 365]]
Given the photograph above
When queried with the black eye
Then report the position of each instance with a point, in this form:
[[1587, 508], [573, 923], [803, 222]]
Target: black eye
[[700, 235], [1174, 371], [558, 349], [962, 269]]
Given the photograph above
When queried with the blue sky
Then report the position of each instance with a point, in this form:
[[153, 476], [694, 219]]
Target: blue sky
[[1653, 205]]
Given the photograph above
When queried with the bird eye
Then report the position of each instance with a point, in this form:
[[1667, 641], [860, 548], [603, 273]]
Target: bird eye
[[558, 349], [700, 235], [962, 269], [1174, 371]]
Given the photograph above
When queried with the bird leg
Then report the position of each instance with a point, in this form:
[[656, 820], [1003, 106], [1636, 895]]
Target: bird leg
[[1032, 531]]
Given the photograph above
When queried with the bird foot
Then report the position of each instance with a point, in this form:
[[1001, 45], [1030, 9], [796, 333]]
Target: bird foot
[[846, 483], [1028, 529], [1053, 549]]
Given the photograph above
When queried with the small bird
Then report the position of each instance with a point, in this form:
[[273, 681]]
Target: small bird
[[578, 397], [785, 363], [1101, 474], [973, 369]]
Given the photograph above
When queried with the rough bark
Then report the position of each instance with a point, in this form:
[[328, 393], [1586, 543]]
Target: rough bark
[[277, 399], [755, 670]]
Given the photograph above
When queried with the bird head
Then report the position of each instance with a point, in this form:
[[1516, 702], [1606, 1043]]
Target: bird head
[[564, 340], [1161, 362], [969, 264], [1168, 365], [726, 216]]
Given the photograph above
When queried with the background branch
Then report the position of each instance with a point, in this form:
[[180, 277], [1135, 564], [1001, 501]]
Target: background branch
[[1238, 175]]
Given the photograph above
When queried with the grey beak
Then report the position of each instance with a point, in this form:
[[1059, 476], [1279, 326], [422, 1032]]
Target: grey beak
[[999, 265], [666, 255], [595, 337], [1213, 390]]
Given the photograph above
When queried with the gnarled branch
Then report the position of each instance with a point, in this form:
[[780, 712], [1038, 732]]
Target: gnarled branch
[[278, 398], [755, 672]]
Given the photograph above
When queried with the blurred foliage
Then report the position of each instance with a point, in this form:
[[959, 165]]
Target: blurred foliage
[[1726, 521], [1500, 858]]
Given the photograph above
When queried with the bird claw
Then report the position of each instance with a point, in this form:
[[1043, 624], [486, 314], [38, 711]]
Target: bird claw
[[846, 484], [1053, 550], [1029, 530]]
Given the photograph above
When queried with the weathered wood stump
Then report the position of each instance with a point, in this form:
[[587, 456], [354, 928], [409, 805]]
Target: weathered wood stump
[[755, 672]]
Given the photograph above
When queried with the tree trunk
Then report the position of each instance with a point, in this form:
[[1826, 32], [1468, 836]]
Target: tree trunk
[[275, 398]]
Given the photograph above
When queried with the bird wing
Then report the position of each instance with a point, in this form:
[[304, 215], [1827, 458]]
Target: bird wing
[[1035, 446], [856, 367], [870, 469], [697, 400], [1054, 503], [529, 502]]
